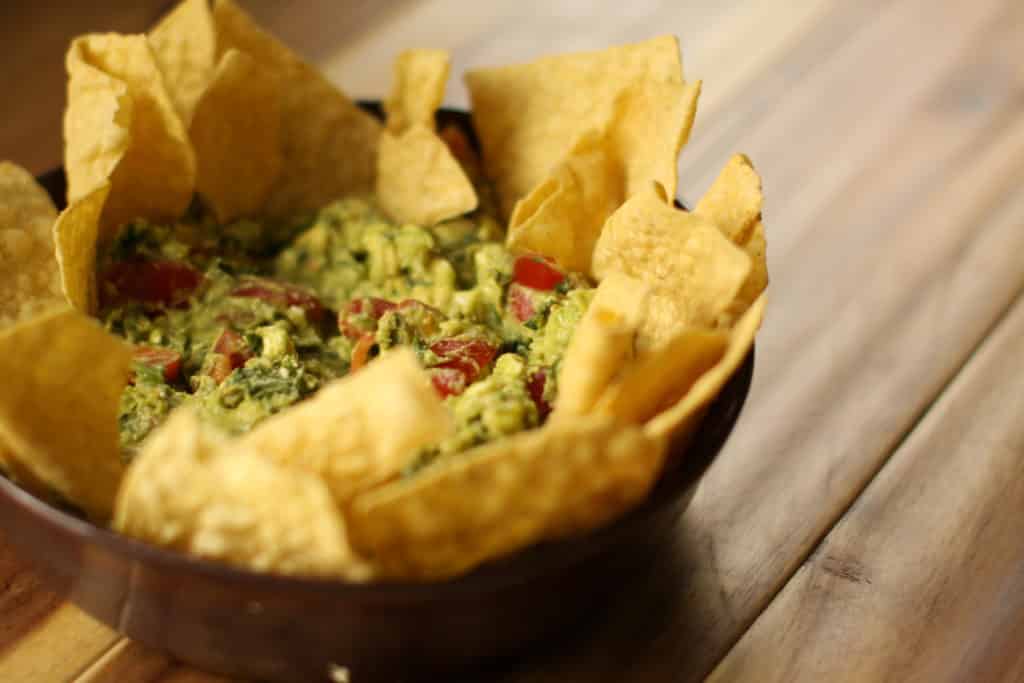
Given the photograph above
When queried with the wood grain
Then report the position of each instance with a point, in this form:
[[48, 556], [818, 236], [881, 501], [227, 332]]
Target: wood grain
[[848, 359], [57, 648], [891, 140], [921, 580]]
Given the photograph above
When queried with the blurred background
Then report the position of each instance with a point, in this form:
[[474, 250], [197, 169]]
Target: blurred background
[[354, 42]]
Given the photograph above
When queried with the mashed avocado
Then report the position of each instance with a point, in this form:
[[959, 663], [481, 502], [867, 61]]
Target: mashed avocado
[[243, 320]]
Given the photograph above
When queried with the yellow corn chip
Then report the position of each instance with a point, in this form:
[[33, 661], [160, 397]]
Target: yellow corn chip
[[235, 132], [418, 179], [185, 47], [601, 345], [693, 270], [29, 281], [562, 479], [563, 216], [190, 490], [658, 378], [329, 145], [155, 176], [75, 234], [682, 416], [734, 200], [359, 431], [649, 128], [58, 409], [97, 125], [166, 486], [13, 470], [529, 116], [757, 280], [733, 203], [420, 77]]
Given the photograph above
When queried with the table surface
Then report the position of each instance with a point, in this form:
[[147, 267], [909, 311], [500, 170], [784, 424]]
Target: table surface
[[863, 523]]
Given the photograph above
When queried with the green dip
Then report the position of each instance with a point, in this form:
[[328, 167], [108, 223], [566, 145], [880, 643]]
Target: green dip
[[243, 320]]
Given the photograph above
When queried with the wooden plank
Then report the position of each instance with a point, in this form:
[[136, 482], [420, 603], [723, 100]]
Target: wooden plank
[[507, 31], [848, 359], [24, 599], [873, 258], [922, 579], [128, 661], [58, 648]]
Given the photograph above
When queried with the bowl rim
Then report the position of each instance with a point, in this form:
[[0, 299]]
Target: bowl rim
[[684, 466]]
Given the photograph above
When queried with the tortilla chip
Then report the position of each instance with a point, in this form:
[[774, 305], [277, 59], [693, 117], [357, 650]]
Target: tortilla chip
[[420, 77], [29, 280], [235, 132], [733, 203], [684, 415], [185, 47], [154, 177], [359, 431], [563, 216], [693, 270], [658, 379], [59, 406], [76, 232], [734, 200], [190, 490], [418, 179], [97, 125], [757, 280], [650, 126], [166, 486], [601, 345], [562, 479], [529, 116], [329, 144]]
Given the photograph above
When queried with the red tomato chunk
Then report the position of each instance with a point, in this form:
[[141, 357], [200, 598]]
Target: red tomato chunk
[[535, 272], [233, 346], [282, 295], [369, 307], [519, 303], [535, 386], [167, 360], [169, 283], [467, 357]]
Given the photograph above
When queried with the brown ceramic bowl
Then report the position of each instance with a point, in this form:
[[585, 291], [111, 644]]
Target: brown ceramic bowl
[[291, 629]]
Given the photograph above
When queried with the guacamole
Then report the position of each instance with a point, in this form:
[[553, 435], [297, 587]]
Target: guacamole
[[240, 321]]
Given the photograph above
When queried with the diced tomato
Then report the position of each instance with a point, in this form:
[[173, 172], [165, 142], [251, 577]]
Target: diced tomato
[[169, 283], [536, 272], [361, 351], [220, 367], [167, 360], [448, 382], [468, 357], [369, 307], [520, 303], [234, 347], [282, 295], [535, 385]]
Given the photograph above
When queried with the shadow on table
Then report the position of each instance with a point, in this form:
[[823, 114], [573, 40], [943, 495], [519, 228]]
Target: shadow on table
[[646, 633]]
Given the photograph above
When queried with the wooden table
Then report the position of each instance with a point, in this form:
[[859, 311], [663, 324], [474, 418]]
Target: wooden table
[[864, 522]]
